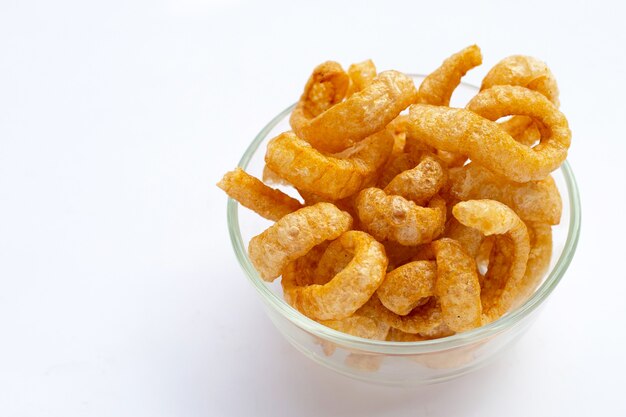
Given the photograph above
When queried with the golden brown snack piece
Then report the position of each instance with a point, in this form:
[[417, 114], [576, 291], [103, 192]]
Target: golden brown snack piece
[[457, 286], [398, 219], [522, 129], [469, 238], [270, 177], [538, 260], [509, 255], [419, 184], [294, 235], [327, 176], [250, 192], [529, 72], [460, 130], [534, 201], [397, 127], [425, 319], [437, 87], [303, 269], [359, 116], [361, 75], [523, 71], [395, 166], [396, 335], [349, 289], [335, 258], [327, 86], [406, 286], [359, 326]]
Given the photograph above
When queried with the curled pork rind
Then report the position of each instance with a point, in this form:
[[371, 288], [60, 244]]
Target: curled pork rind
[[419, 184], [391, 217], [328, 176], [407, 286], [529, 72], [294, 235], [361, 75], [509, 255], [270, 203], [534, 201], [327, 86], [538, 260], [438, 86], [457, 286], [359, 326], [361, 115], [425, 319], [349, 289], [523, 71], [476, 134]]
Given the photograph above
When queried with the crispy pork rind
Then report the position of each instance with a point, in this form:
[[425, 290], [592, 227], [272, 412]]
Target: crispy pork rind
[[425, 319], [361, 115], [349, 289], [529, 72], [523, 71], [250, 192], [407, 286], [457, 287], [438, 86], [509, 255], [361, 75], [294, 235], [538, 260], [473, 132], [392, 217], [327, 86], [534, 201], [328, 176], [419, 184]]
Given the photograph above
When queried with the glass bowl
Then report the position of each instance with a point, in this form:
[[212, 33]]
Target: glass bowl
[[398, 363]]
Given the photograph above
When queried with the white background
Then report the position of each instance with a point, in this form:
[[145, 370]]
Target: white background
[[119, 291]]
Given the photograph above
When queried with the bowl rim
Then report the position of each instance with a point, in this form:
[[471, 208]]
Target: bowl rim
[[403, 348]]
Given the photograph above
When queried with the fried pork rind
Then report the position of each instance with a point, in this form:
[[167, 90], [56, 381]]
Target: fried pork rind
[[327, 86], [529, 72], [538, 260], [361, 75], [294, 235], [425, 319], [534, 201], [349, 289], [270, 203], [509, 255], [473, 132], [359, 326], [407, 286], [438, 86], [523, 71], [395, 166], [469, 238], [392, 217], [361, 115], [270, 177], [328, 176], [419, 184], [457, 286]]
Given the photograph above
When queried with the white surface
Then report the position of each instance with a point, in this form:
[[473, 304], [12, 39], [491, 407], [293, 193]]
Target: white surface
[[119, 291]]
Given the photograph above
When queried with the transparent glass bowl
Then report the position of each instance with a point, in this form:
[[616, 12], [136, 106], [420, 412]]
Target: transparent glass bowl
[[398, 363]]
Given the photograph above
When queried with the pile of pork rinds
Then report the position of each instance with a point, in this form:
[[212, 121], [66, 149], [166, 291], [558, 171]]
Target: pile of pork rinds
[[418, 220]]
